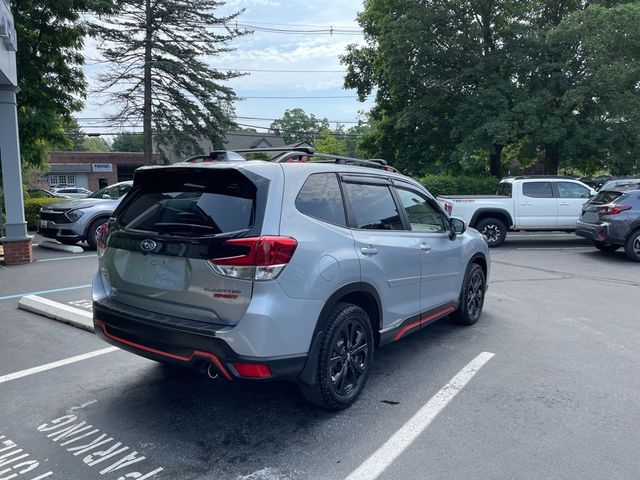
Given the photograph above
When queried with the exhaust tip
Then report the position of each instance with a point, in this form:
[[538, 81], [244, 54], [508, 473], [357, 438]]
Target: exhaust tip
[[212, 372]]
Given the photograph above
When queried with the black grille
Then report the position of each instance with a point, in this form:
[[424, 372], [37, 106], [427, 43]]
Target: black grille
[[57, 217]]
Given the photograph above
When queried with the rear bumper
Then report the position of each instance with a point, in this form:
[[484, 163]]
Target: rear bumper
[[183, 342], [599, 232]]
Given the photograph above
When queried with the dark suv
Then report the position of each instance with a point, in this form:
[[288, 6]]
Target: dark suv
[[290, 269], [611, 220]]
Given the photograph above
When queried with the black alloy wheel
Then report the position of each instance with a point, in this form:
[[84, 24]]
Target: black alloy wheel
[[471, 296], [344, 359], [348, 358], [493, 230], [632, 246]]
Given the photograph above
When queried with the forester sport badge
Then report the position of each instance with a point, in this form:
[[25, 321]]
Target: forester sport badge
[[148, 245]]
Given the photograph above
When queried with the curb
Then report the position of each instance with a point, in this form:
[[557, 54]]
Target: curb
[[57, 311], [58, 246]]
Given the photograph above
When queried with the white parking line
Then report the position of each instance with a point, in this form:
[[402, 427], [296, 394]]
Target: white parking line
[[55, 259], [59, 363], [373, 467]]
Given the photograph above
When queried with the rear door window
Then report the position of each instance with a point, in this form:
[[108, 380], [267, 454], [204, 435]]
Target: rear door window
[[320, 197], [504, 189], [192, 205], [537, 189], [372, 206]]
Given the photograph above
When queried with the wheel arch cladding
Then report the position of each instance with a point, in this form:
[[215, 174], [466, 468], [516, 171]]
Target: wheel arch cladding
[[498, 214], [481, 260], [362, 294]]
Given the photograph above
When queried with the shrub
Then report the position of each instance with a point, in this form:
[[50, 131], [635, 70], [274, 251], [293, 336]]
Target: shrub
[[452, 185], [32, 208]]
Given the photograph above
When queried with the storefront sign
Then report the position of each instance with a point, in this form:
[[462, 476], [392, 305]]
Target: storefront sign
[[102, 167]]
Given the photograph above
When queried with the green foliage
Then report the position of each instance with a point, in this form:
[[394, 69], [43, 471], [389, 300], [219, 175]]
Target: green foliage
[[457, 83], [49, 60], [460, 185], [32, 208], [160, 70], [330, 143], [296, 126], [128, 142]]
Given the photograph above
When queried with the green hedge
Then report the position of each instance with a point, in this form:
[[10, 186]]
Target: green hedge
[[32, 208], [451, 185]]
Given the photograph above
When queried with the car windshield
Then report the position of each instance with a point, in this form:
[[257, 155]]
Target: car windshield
[[113, 192]]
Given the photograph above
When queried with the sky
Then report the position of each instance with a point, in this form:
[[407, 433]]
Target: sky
[[275, 51]]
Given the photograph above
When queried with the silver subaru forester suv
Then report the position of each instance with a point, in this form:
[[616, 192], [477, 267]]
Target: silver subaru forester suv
[[298, 268]]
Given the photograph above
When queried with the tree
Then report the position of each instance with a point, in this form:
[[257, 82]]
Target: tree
[[157, 72], [49, 61], [296, 126], [128, 142], [329, 142]]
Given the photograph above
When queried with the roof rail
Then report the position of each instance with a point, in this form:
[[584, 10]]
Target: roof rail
[[528, 177], [288, 154]]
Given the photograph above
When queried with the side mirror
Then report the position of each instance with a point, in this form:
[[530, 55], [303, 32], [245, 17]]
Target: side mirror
[[456, 227], [592, 193]]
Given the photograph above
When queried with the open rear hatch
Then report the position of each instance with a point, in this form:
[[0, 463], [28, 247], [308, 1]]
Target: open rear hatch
[[166, 240], [604, 203]]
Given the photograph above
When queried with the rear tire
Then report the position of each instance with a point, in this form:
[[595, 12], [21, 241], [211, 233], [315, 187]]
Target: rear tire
[[605, 247], [91, 232], [471, 296], [344, 359], [632, 246], [493, 230]]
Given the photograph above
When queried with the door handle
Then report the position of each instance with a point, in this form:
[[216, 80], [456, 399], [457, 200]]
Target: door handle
[[425, 247], [526, 204], [369, 250], [564, 203]]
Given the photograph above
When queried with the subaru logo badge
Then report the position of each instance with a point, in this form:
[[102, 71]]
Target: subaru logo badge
[[148, 245]]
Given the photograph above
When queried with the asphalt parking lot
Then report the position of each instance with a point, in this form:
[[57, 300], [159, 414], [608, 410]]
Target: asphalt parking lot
[[558, 398]]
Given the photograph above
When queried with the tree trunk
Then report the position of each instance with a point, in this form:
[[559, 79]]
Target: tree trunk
[[495, 160], [146, 108], [551, 159]]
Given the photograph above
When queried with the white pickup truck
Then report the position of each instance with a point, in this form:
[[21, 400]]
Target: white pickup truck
[[529, 203]]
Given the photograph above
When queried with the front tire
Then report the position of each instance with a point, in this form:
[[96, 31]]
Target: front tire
[[91, 232], [493, 230], [632, 246], [471, 296], [605, 247], [344, 359]]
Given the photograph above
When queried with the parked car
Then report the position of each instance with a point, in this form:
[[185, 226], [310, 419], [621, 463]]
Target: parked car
[[527, 203], [77, 220], [612, 220], [42, 193], [72, 192], [276, 270], [622, 184]]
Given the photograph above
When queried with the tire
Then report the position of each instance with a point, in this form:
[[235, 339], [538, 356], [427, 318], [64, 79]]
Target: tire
[[348, 330], [605, 247], [91, 232], [471, 296], [632, 246], [493, 230]]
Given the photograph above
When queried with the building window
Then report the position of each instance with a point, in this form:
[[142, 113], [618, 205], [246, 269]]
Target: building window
[[57, 181]]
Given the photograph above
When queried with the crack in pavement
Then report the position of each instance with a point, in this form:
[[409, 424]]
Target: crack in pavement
[[567, 275]]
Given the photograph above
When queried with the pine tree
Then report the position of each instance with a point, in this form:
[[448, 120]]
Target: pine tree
[[158, 72]]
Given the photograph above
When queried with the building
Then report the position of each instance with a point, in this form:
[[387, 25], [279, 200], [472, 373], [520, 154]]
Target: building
[[234, 141], [16, 242], [90, 170]]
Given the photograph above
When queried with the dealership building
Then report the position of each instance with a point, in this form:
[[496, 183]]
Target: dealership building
[[16, 243]]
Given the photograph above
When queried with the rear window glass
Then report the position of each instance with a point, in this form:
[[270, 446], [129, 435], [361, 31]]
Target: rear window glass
[[537, 189], [504, 189], [373, 207], [320, 198], [603, 198], [192, 205]]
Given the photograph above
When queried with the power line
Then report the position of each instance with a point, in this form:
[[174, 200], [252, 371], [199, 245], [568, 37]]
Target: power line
[[236, 117]]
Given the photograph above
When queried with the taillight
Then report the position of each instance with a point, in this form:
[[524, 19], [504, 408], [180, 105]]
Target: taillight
[[101, 238], [615, 209], [252, 370], [263, 259], [448, 207]]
